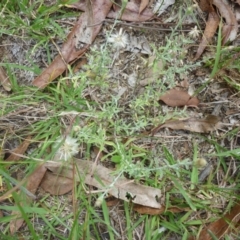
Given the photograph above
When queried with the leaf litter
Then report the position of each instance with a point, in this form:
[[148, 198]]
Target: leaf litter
[[129, 13], [229, 29], [74, 48], [209, 124], [104, 179]]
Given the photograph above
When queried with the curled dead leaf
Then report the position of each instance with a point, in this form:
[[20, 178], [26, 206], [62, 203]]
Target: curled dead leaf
[[209, 124], [178, 98]]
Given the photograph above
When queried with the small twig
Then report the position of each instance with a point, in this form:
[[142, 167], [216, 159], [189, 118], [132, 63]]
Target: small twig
[[139, 25]]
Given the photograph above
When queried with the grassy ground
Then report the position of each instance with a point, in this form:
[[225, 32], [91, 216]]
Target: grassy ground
[[103, 111]]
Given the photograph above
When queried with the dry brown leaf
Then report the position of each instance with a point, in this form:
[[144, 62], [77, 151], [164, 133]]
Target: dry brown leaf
[[131, 12], [59, 64], [4, 80], [73, 48], [221, 226], [143, 5], [210, 123], [156, 211], [56, 185], [21, 149], [177, 98], [80, 63], [105, 180], [206, 5], [33, 182], [211, 27], [230, 29], [112, 201]]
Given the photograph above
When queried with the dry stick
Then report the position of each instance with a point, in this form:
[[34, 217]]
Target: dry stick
[[59, 51], [138, 26]]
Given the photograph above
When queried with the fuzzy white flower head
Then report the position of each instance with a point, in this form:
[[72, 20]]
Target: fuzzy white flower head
[[119, 40], [194, 33], [67, 148]]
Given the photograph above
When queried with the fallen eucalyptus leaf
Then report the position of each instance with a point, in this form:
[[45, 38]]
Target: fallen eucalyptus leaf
[[210, 29], [76, 45], [210, 123], [105, 180]]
